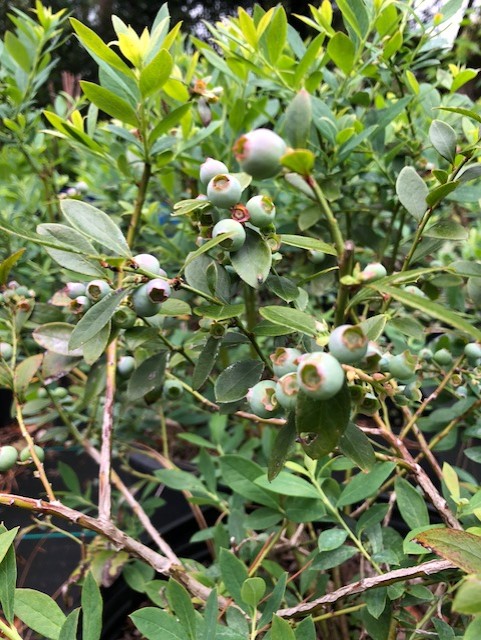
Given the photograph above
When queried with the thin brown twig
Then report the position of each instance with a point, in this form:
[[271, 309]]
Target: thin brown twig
[[105, 493], [397, 575]]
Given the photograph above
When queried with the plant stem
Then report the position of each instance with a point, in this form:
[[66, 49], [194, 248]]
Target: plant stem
[[334, 229], [9, 632], [139, 203], [105, 497], [339, 612]]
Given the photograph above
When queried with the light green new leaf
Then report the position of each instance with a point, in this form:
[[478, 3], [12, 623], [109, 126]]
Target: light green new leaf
[[6, 541], [412, 192], [69, 627], [276, 34], [25, 371], [281, 629], [109, 102], [430, 308], [253, 591], [156, 73], [305, 242], [468, 596], [342, 52], [354, 14], [39, 612], [448, 230], [95, 319], [7, 265], [235, 381], [92, 606], [443, 139], [95, 224]]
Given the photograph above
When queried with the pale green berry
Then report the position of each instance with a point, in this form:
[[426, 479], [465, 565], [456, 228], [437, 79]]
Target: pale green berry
[[97, 289], [403, 366], [262, 399], [287, 389], [142, 304], [261, 211], [172, 390], [348, 343], [285, 360], [149, 263], [235, 242], [211, 168], [125, 366], [124, 317], [443, 357], [320, 375], [75, 289], [259, 152], [6, 350], [25, 455], [8, 457], [372, 272], [472, 351], [224, 190]]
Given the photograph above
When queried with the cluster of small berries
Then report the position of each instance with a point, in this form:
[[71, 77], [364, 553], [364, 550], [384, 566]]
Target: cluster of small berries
[[9, 456], [318, 374]]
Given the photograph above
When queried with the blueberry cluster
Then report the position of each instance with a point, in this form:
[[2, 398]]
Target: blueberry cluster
[[318, 374]]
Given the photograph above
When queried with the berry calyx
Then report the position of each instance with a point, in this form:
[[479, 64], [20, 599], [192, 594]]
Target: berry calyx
[[172, 390], [97, 289]]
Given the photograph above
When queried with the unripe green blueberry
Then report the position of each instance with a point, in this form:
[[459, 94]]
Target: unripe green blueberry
[[224, 190], [8, 457], [97, 289], [142, 304], [287, 389], [42, 392], [80, 304], [261, 211], [384, 362], [259, 152], [25, 455], [348, 344], [402, 366], [262, 399], [172, 390], [373, 272], [59, 392], [316, 256], [22, 291], [235, 242], [6, 350], [462, 391], [158, 290], [149, 263], [320, 375], [285, 360], [211, 168], [125, 366], [75, 289], [124, 317], [472, 351], [443, 357], [415, 291], [426, 354]]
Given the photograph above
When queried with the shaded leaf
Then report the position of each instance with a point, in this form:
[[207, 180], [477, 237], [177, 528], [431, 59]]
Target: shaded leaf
[[363, 485], [7, 265], [290, 319], [411, 504], [92, 606], [252, 262], [355, 444], [95, 319], [235, 381], [181, 604], [283, 443], [234, 573], [149, 375]]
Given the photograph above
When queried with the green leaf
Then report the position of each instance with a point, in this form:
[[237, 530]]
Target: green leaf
[[71, 260], [25, 371], [299, 161], [55, 337], [306, 629], [7, 265], [443, 139], [305, 242], [469, 172], [92, 606], [281, 629], [175, 307], [6, 541], [298, 120], [109, 102], [235, 381], [411, 504], [288, 484], [93, 43], [462, 77], [210, 617], [253, 591], [153, 623], [276, 34], [473, 630], [96, 224], [241, 474], [432, 309], [448, 230], [220, 312], [149, 375], [233, 573], [412, 191], [374, 326], [274, 601], [137, 575], [331, 539], [439, 193], [181, 604], [169, 121], [285, 439], [329, 559], [266, 328], [461, 548], [95, 319], [154, 75], [376, 601], [206, 361], [253, 261], [468, 596], [354, 14], [67, 130], [290, 318], [282, 287], [363, 485], [469, 113], [342, 52], [210, 244], [95, 347], [180, 480], [8, 574], [70, 626], [356, 446], [321, 423], [39, 612]]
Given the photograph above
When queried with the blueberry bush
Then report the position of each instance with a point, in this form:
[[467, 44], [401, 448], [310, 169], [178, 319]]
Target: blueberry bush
[[255, 261]]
